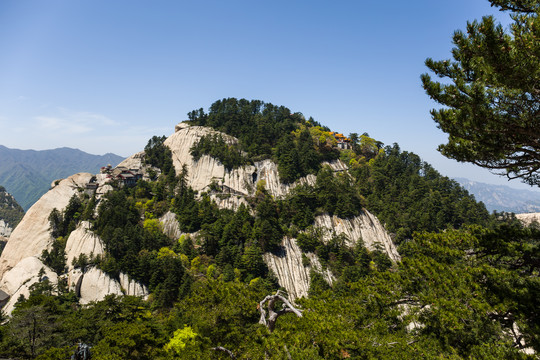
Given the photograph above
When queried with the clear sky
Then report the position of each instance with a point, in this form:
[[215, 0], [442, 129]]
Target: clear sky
[[105, 76]]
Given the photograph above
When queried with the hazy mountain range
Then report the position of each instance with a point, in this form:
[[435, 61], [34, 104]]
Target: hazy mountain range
[[503, 198], [28, 174]]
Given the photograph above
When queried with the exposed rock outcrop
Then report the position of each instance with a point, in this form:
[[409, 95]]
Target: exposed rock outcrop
[[32, 235], [241, 181], [94, 285], [170, 225], [18, 280], [206, 170], [82, 241], [288, 266], [529, 218], [19, 263], [290, 271], [365, 227], [131, 287]]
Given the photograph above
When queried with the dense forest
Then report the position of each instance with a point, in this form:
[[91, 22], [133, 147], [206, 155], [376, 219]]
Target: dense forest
[[10, 211], [466, 284]]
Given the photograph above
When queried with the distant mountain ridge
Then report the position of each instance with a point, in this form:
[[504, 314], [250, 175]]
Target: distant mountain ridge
[[503, 198], [27, 174]]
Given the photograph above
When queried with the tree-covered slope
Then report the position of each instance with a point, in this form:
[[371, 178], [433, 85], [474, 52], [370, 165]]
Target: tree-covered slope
[[27, 174], [466, 280], [409, 195], [10, 211]]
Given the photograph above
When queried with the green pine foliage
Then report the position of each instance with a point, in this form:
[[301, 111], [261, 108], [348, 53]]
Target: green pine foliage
[[10, 211], [465, 279], [215, 146], [264, 131], [455, 294], [408, 195], [257, 125], [489, 93]]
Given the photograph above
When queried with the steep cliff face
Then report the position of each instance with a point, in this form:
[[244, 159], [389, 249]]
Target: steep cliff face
[[365, 227], [18, 280], [32, 235], [94, 285], [20, 265], [287, 265], [82, 241], [241, 181], [290, 270]]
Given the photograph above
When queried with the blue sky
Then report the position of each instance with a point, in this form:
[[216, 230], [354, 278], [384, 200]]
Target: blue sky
[[105, 76]]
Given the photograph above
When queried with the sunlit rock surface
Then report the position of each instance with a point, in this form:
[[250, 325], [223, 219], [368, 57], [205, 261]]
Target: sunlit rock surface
[[32, 235], [529, 218], [82, 241], [18, 280]]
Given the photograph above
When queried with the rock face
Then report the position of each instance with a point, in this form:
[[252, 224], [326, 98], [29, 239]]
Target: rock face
[[241, 182], [19, 263], [529, 218], [18, 280], [32, 235], [170, 225], [207, 169], [288, 265], [94, 285], [365, 227], [290, 271], [82, 241]]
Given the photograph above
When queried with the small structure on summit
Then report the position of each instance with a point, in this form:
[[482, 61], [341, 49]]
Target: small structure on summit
[[124, 176], [343, 142]]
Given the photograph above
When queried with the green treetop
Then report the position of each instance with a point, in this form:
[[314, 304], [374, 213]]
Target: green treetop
[[491, 93]]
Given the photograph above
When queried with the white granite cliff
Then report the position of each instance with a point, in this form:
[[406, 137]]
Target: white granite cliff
[[32, 235], [19, 263], [529, 218], [241, 182]]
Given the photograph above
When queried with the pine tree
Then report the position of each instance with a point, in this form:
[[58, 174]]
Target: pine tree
[[492, 104]]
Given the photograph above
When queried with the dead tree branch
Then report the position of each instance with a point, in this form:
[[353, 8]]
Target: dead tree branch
[[221, 348], [273, 315]]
